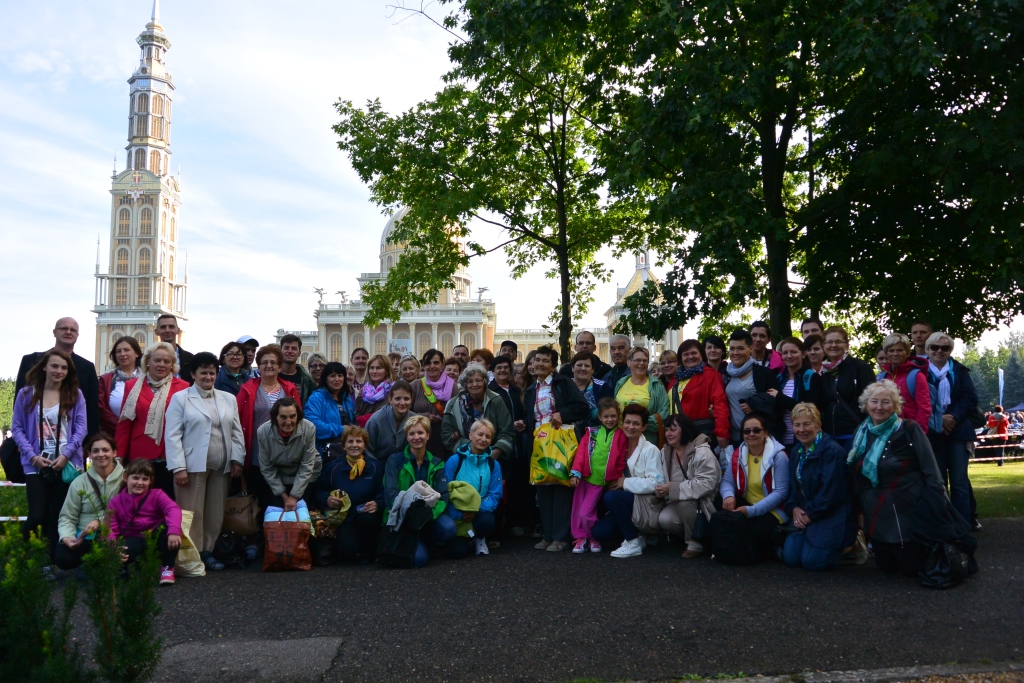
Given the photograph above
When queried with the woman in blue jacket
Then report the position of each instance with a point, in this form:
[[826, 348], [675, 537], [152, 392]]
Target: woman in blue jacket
[[472, 464], [331, 408], [818, 501], [362, 479]]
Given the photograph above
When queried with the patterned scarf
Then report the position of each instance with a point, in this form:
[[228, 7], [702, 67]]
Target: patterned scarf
[[882, 433], [803, 451], [376, 394], [683, 374], [832, 367], [155, 416], [356, 464], [469, 413], [120, 376]]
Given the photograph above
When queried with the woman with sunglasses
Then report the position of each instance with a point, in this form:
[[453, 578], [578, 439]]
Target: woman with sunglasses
[[755, 483]]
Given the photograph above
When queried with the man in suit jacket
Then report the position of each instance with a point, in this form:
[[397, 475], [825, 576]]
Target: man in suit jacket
[[65, 334], [167, 329]]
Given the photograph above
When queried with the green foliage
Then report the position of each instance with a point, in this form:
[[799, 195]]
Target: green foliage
[[985, 373], [35, 637], [13, 502], [123, 611], [6, 403]]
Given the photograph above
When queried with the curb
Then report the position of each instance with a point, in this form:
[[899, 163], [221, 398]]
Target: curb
[[891, 675]]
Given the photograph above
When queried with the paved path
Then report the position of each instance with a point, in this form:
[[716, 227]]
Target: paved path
[[526, 615]]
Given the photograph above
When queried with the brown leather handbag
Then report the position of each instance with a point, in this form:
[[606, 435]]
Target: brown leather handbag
[[241, 514]]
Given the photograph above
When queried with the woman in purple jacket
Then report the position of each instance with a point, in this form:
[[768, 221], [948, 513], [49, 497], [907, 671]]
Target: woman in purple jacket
[[49, 427]]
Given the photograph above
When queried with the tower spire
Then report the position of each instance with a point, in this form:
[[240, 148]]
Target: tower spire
[[155, 18]]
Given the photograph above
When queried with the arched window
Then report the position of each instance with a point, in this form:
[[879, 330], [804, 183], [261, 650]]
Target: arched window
[[141, 126], [143, 295], [423, 344], [335, 349], [154, 162], [174, 229], [163, 224], [142, 103], [170, 268], [124, 220], [170, 296], [141, 338], [121, 293], [469, 339], [158, 104], [146, 222], [391, 263], [144, 262], [122, 261], [140, 160], [158, 128], [447, 341], [357, 341], [380, 343]]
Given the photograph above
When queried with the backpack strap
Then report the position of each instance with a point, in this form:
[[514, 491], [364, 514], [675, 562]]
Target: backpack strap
[[912, 381], [807, 379]]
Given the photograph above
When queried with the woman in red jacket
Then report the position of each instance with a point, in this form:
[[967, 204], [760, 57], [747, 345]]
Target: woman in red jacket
[[699, 393], [127, 356], [140, 429], [255, 399], [910, 373]]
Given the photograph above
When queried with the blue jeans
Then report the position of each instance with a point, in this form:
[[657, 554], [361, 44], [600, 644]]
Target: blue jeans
[[440, 531], [617, 525], [952, 458], [797, 552], [462, 546]]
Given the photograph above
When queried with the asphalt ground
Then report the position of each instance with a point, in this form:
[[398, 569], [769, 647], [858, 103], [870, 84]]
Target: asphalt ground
[[521, 614]]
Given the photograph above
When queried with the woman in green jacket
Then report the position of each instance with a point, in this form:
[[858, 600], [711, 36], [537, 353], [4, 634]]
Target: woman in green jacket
[[639, 387], [86, 502]]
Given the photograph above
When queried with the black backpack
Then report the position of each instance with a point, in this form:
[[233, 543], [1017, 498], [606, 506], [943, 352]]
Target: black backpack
[[10, 459], [732, 540], [230, 549]]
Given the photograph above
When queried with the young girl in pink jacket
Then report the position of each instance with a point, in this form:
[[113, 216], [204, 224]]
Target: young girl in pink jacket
[[600, 459], [138, 509]]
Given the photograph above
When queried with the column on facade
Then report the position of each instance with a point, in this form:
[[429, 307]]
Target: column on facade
[[433, 335], [321, 339], [458, 333], [390, 336], [480, 336], [344, 343]]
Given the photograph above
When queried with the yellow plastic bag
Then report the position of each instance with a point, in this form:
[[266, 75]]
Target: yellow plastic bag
[[553, 451], [188, 563]]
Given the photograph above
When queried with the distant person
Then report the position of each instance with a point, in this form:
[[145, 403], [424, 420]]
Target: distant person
[[291, 371], [759, 352], [519, 511], [811, 326], [168, 331], [998, 424], [251, 346], [919, 333], [234, 369], [668, 365], [586, 342], [386, 428], [127, 357], [65, 334], [641, 388], [357, 361], [593, 389], [409, 369], [509, 349], [715, 353], [699, 394], [910, 373], [461, 352], [851, 377], [618, 345], [814, 347], [362, 479], [453, 367], [396, 362]]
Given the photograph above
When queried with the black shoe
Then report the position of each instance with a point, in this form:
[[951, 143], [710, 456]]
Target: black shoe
[[975, 525]]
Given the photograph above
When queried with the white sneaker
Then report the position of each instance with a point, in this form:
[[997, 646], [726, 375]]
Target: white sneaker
[[481, 547], [629, 549]]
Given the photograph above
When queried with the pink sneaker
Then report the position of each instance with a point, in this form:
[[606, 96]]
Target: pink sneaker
[[579, 546], [167, 575], [595, 547]]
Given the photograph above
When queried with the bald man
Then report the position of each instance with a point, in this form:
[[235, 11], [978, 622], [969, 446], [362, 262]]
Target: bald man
[[65, 334]]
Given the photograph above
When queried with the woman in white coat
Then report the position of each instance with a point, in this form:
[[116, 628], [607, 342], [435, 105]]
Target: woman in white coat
[[645, 470], [205, 448]]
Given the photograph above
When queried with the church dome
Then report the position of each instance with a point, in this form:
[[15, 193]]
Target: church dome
[[389, 229]]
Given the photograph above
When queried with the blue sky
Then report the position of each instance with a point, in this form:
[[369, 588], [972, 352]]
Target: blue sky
[[271, 207]]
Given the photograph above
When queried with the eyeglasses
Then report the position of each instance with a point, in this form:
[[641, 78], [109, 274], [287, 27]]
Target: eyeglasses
[[269, 364], [945, 348], [316, 366], [753, 430], [234, 354], [67, 329]]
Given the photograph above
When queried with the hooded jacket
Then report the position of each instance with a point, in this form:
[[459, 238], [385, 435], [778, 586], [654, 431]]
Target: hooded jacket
[[386, 437], [329, 418], [289, 467], [82, 505], [131, 516], [702, 471], [399, 475], [483, 477], [493, 409], [917, 406], [774, 477]]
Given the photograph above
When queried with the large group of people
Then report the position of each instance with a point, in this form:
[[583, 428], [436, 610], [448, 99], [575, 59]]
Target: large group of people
[[733, 447]]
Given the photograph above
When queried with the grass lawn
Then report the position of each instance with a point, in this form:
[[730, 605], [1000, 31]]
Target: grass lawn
[[12, 501], [999, 490]]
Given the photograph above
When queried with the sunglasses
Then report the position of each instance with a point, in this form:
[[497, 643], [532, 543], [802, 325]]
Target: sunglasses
[[753, 430], [945, 348]]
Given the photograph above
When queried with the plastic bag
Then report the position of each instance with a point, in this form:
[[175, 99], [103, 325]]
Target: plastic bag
[[188, 563], [553, 451]]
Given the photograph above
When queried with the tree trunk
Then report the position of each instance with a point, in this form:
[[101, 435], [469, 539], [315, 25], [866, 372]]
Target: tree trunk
[[779, 312], [565, 322]]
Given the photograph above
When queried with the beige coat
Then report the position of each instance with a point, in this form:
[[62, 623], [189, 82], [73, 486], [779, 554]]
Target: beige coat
[[703, 474], [289, 467]]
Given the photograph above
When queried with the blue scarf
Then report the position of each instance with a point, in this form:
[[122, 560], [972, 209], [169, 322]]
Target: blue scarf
[[882, 433], [683, 374]]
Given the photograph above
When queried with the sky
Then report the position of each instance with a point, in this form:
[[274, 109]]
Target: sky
[[270, 207]]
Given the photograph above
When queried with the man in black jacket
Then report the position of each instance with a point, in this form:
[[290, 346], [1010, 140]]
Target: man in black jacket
[[168, 331], [65, 334], [586, 342]]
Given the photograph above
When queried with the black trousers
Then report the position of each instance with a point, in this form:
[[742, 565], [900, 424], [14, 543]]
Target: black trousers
[[357, 537], [520, 506], [894, 558], [71, 558], [136, 546], [45, 500]]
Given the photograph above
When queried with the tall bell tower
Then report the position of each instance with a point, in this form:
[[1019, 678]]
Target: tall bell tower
[[142, 280]]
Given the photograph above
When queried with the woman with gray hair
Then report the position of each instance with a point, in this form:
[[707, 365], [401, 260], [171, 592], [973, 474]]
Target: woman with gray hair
[[140, 429], [910, 374], [473, 402], [949, 429], [893, 471]]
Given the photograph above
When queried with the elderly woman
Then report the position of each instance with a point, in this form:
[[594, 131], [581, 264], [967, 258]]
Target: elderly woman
[[797, 383], [814, 348], [473, 467], [694, 474], [910, 374], [699, 394], [362, 479], [205, 450], [593, 389], [233, 371], [818, 500], [49, 427], [850, 376], [645, 471], [755, 483], [949, 431], [86, 503], [330, 407], [431, 394], [288, 458], [374, 393], [475, 402], [386, 429], [414, 463], [640, 388], [715, 353], [140, 431], [668, 365], [127, 356], [409, 369], [316, 364], [892, 467]]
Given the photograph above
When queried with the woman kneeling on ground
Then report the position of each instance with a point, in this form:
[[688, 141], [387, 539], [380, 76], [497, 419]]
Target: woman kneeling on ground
[[755, 483], [473, 477], [693, 478], [362, 479], [645, 470], [87, 500], [818, 501], [414, 464]]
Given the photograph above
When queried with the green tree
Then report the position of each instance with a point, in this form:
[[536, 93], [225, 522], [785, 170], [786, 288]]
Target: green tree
[[1013, 381], [6, 402], [508, 141]]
